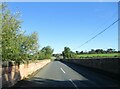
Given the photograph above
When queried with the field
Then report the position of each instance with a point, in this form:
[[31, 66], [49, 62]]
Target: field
[[110, 55]]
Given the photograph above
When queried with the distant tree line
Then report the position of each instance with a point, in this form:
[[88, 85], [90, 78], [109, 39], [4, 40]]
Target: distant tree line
[[15, 44], [58, 55], [67, 53], [98, 51]]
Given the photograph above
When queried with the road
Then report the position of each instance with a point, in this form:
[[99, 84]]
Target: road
[[64, 75]]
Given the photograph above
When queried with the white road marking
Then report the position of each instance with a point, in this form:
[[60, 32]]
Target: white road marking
[[62, 70], [73, 83]]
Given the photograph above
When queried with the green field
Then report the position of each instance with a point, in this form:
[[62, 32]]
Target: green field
[[110, 55]]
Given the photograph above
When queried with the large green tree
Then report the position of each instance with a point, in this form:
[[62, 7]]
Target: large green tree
[[67, 53], [46, 52], [10, 28], [16, 45]]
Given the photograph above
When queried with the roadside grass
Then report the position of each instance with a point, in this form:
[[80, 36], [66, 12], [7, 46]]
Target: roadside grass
[[109, 55]]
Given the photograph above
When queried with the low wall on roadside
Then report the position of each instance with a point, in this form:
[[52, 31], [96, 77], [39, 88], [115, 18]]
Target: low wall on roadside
[[13, 74], [109, 65]]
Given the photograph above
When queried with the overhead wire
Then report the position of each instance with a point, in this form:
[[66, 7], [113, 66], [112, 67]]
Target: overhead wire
[[98, 33]]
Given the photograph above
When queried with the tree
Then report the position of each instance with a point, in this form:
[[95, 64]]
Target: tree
[[110, 50], [63, 54], [81, 52], [77, 52], [10, 28], [16, 46], [29, 45], [73, 55], [46, 52], [92, 51], [67, 53]]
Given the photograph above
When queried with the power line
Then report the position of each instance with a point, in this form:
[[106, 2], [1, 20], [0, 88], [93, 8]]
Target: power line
[[106, 20], [98, 34]]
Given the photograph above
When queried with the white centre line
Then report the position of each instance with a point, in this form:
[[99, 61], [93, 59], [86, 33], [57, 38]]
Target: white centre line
[[73, 83], [62, 70]]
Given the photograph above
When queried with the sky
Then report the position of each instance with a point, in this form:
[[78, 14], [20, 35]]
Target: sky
[[70, 24]]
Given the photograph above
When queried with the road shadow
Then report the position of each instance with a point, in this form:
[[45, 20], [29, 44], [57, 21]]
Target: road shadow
[[39, 83], [92, 82], [88, 73]]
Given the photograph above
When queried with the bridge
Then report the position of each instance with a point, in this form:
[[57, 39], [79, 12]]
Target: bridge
[[62, 75]]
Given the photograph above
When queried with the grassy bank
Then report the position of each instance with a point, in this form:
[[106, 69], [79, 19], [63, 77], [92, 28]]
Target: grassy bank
[[110, 55]]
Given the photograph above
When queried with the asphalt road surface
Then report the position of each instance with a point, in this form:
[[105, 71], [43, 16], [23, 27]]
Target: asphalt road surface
[[65, 75]]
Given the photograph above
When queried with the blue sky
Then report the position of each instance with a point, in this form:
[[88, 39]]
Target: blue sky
[[70, 24]]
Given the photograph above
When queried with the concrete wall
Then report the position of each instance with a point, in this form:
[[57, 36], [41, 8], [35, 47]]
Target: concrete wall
[[13, 74], [108, 65]]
